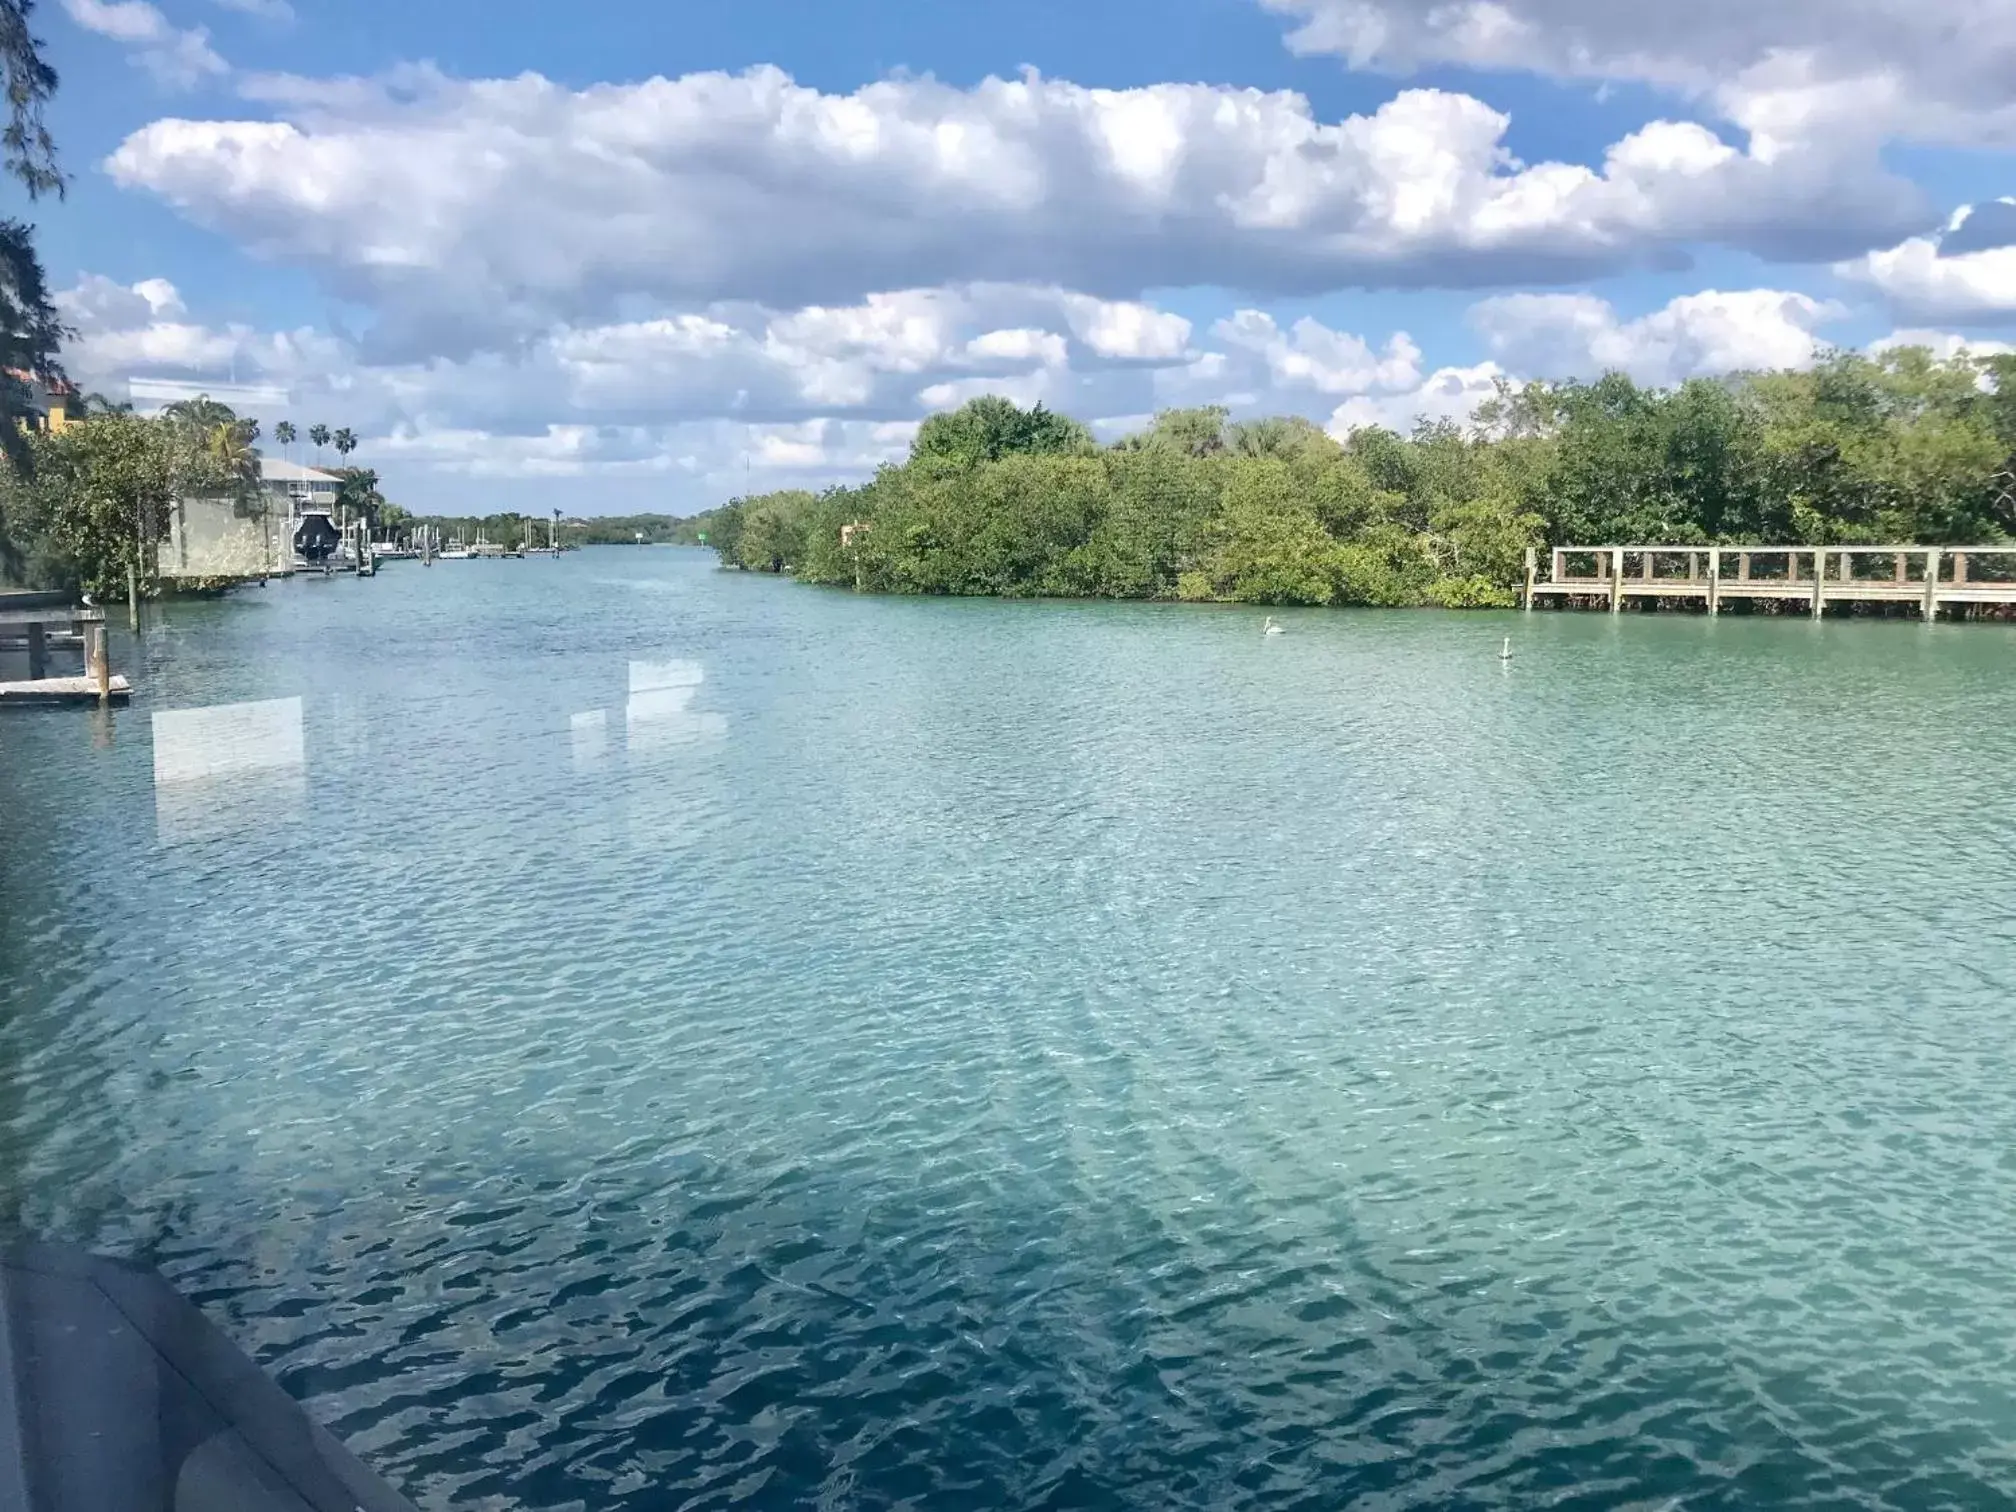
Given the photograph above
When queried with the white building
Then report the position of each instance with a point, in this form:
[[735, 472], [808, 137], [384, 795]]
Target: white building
[[214, 540], [295, 490]]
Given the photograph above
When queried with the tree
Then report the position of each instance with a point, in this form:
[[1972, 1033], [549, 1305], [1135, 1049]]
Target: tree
[[990, 428], [285, 433], [30, 333], [346, 442], [201, 415], [358, 492], [99, 496], [235, 458], [30, 152], [319, 434]]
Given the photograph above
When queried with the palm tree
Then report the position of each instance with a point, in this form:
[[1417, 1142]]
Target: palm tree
[[319, 434], [285, 433], [202, 413], [346, 442], [229, 444]]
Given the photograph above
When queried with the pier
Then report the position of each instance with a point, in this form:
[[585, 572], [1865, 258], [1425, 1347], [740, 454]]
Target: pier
[[1923, 579], [35, 624]]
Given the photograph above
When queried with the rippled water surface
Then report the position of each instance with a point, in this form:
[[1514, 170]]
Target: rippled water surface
[[637, 1036]]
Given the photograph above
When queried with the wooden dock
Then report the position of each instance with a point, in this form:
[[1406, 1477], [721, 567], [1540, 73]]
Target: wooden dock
[[1924, 579], [66, 690], [36, 623]]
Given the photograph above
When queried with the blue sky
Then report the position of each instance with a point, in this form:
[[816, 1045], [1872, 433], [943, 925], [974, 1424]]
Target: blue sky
[[644, 256]]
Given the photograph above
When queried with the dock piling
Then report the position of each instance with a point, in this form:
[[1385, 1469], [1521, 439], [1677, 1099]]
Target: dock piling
[[1617, 581], [97, 665], [1714, 582], [1931, 585], [1532, 571]]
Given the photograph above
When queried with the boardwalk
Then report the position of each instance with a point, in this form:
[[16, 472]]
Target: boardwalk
[[1927, 579]]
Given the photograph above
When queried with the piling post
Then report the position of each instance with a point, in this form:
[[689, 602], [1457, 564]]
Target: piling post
[[1554, 566], [1819, 582], [1742, 566], [38, 651], [1714, 582], [1959, 568], [1931, 585], [97, 664], [1617, 580], [1532, 569], [132, 598], [1902, 576]]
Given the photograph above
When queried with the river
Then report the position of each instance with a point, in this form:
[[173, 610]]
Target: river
[[638, 1036]]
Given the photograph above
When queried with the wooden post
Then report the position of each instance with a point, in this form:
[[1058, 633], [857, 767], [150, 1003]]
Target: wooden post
[[132, 598], [1693, 566], [97, 664], [1932, 585], [1532, 570], [1646, 573], [1714, 582], [1902, 576], [1791, 566], [1959, 568], [1617, 581], [1555, 566], [1742, 566], [1819, 582], [38, 651]]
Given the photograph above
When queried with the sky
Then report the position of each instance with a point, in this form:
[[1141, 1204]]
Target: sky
[[648, 256]]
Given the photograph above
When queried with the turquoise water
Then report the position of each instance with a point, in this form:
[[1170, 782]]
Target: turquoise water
[[639, 1036]]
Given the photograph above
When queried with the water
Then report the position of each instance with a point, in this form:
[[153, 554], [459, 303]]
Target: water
[[651, 1037]]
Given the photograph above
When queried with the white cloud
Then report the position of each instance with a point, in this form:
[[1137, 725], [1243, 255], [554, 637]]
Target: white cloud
[[1961, 274], [1790, 71], [544, 203], [271, 10], [1311, 355], [1450, 393], [1944, 345], [1579, 335], [177, 58], [626, 399], [1127, 330]]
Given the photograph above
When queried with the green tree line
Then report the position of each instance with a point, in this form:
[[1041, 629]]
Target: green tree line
[[997, 500]]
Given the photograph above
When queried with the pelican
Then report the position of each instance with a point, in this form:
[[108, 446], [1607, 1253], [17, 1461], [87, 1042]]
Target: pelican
[[1272, 628], [1506, 654]]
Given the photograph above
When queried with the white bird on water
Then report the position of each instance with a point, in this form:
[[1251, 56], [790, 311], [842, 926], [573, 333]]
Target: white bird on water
[[1506, 654], [1272, 628]]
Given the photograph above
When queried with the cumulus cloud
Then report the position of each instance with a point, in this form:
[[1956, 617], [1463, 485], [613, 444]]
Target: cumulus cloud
[[544, 203], [1311, 355], [832, 389], [1790, 71], [1966, 273], [178, 58], [1580, 335], [1450, 393], [1945, 345]]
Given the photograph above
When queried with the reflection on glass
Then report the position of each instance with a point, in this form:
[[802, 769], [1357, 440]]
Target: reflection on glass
[[591, 737], [658, 713], [220, 768]]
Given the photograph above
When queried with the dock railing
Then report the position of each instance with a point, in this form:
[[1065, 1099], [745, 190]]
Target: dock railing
[[1926, 577]]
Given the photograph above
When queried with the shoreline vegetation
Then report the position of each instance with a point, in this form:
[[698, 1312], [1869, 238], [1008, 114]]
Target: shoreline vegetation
[[998, 501]]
